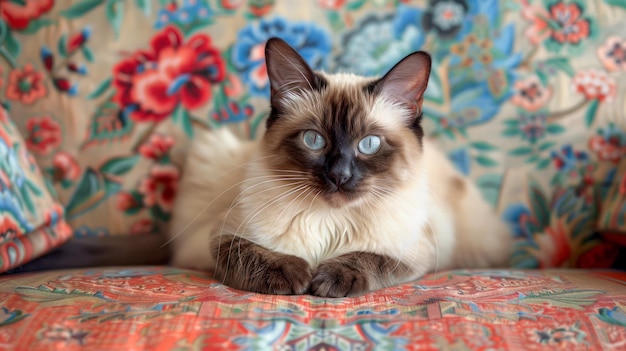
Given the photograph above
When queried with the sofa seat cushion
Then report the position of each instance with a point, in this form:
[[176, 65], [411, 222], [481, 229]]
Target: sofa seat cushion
[[162, 308]]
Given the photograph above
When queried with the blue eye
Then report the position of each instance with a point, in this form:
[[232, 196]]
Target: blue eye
[[313, 140], [369, 145]]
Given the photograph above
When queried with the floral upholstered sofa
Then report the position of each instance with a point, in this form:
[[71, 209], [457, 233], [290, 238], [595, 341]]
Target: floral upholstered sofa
[[101, 97]]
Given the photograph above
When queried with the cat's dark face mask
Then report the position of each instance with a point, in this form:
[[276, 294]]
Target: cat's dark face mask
[[341, 152]]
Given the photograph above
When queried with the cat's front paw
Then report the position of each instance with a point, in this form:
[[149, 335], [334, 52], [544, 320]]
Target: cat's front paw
[[245, 265], [287, 275], [335, 279]]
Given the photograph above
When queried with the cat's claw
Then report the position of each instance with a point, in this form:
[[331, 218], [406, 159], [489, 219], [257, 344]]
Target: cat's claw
[[334, 279]]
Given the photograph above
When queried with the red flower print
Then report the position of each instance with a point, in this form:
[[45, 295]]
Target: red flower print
[[8, 229], [65, 166], [607, 150], [260, 8], [331, 4], [595, 84], [4, 116], [157, 146], [142, 226], [44, 134], [613, 54], [530, 94], [53, 216], [18, 14], [5, 181], [554, 246], [152, 83], [160, 187], [26, 85], [258, 75], [79, 39], [233, 86], [4, 136], [231, 4], [126, 201], [561, 22]]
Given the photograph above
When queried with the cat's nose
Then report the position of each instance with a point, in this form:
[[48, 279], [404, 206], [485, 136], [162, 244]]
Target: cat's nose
[[339, 174]]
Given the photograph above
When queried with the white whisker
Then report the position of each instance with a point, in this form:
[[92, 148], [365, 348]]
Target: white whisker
[[235, 202], [206, 207], [268, 203], [255, 213]]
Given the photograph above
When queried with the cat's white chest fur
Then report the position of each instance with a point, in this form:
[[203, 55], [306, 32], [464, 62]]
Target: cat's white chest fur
[[303, 225], [317, 237]]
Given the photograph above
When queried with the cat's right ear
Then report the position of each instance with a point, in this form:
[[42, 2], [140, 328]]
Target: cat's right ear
[[287, 71], [406, 82]]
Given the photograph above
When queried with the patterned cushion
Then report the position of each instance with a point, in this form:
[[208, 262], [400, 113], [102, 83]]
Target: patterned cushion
[[526, 97], [31, 222], [155, 308]]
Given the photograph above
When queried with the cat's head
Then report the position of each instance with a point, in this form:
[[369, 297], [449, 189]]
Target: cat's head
[[351, 137]]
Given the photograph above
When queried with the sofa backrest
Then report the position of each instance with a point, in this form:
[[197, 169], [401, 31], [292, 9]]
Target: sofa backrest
[[527, 98]]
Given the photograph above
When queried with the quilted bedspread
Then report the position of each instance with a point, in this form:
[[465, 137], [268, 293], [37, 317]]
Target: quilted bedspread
[[161, 308]]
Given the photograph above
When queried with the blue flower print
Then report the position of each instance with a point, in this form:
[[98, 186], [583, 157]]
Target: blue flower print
[[615, 316], [9, 203], [574, 169], [517, 216], [9, 165], [481, 67], [233, 112], [380, 41], [248, 54], [445, 17], [567, 160], [460, 158], [191, 11]]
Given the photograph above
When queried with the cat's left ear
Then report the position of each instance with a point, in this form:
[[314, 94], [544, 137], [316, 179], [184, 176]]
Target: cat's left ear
[[287, 71], [406, 82]]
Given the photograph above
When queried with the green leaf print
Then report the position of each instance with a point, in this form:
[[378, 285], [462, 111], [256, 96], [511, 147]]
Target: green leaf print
[[576, 299], [92, 189], [590, 115], [81, 8], [119, 165], [115, 15]]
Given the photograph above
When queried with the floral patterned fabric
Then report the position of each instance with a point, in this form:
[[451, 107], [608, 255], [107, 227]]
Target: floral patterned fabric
[[526, 97], [31, 221], [154, 308]]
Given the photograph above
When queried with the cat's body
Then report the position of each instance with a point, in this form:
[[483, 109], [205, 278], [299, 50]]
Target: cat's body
[[341, 196]]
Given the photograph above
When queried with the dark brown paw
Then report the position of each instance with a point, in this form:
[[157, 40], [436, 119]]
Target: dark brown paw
[[334, 279], [285, 275], [245, 265]]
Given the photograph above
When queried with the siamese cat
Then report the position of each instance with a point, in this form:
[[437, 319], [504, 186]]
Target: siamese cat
[[342, 195]]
